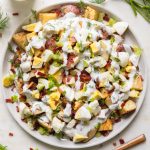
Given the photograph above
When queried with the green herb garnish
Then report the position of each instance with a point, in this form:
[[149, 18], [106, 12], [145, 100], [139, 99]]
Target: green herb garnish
[[15, 98], [142, 8], [10, 48], [97, 1], [89, 24], [34, 14], [3, 21], [53, 82], [10, 61], [137, 50], [43, 131], [59, 135], [81, 4], [2, 147], [20, 73]]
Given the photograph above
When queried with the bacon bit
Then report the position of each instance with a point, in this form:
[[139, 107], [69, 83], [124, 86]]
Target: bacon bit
[[9, 100], [12, 70], [108, 64], [50, 43], [17, 108], [70, 59], [121, 141], [40, 73], [31, 148], [18, 48], [55, 49], [15, 14], [11, 134], [105, 133], [105, 35], [57, 11], [97, 85], [22, 97], [114, 144], [17, 61], [117, 120], [28, 105], [81, 86], [123, 104], [76, 77], [85, 76], [66, 79], [120, 48], [69, 78], [106, 17]]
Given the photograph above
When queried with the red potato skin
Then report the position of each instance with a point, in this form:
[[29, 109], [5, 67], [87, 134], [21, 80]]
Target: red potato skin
[[70, 8], [66, 79], [70, 59]]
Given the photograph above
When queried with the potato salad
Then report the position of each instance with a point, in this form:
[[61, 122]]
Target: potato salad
[[71, 73]]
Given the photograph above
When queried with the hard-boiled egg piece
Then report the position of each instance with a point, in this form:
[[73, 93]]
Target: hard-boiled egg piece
[[104, 113], [44, 82], [83, 114], [94, 107], [68, 92], [71, 124], [26, 66], [53, 69], [124, 58], [57, 125], [47, 55], [67, 110], [120, 27]]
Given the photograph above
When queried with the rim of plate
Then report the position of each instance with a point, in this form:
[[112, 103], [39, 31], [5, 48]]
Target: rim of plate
[[67, 144]]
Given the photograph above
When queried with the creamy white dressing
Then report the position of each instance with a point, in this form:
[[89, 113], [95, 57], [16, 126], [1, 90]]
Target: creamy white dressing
[[84, 31]]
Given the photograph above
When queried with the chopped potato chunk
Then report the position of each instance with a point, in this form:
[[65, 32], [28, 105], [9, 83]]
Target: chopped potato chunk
[[30, 27], [128, 107], [44, 17], [138, 84], [79, 138], [91, 13], [20, 39], [30, 35], [106, 126], [134, 94]]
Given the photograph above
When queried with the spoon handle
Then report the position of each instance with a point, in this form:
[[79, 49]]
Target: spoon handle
[[133, 142]]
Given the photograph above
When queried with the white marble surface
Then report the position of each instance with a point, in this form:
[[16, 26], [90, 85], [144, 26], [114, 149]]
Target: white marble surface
[[21, 140]]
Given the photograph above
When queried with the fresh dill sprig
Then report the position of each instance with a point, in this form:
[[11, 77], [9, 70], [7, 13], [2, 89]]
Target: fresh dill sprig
[[142, 7], [34, 14], [2, 147], [10, 48], [81, 4], [97, 1], [3, 21]]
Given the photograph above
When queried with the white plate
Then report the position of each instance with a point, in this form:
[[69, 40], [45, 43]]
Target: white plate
[[51, 140]]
